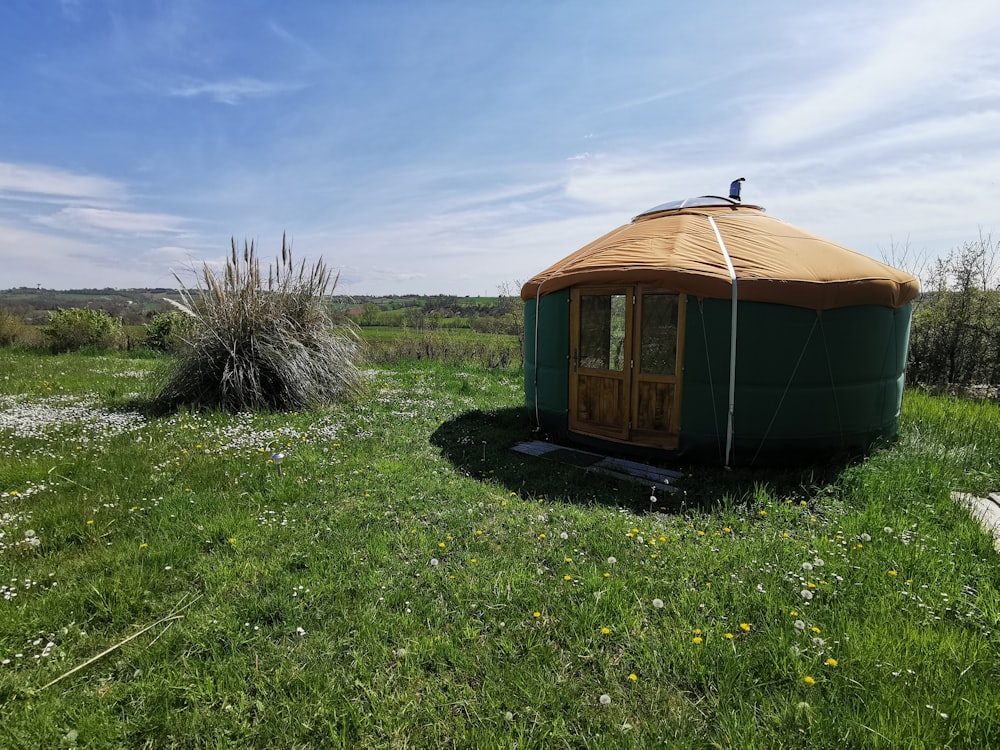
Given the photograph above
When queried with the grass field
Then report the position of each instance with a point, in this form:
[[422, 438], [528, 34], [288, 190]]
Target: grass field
[[403, 579]]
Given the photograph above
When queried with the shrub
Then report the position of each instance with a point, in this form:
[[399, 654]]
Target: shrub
[[256, 347], [169, 332], [75, 328], [955, 338], [10, 328]]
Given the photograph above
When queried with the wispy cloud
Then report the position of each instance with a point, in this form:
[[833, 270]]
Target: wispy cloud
[[917, 52], [49, 181], [109, 220], [234, 90]]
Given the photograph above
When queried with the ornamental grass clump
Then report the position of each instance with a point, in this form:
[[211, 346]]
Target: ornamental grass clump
[[259, 344]]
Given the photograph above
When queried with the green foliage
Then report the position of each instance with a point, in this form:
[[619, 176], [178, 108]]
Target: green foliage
[[169, 332], [955, 337], [263, 345], [455, 345], [11, 327], [73, 329]]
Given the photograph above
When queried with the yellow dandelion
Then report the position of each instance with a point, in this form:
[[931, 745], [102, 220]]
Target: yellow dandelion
[[696, 631], [728, 636], [809, 680], [568, 559], [816, 630], [653, 556], [697, 639], [536, 614], [831, 662], [441, 545], [785, 535], [90, 522], [763, 512], [541, 536], [607, 575], [745, 627], [232, 540], [633, 677], [794, 613], [143, 545], [567, 578], [473, 560], [893, 573], [605, 631], [479, 532]]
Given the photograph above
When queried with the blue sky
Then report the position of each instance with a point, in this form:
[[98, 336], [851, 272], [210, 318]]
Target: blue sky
[[454, 146]]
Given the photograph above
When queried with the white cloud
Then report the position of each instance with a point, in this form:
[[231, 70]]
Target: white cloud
[[108, 220], [232, 91], [44, 180], [913, 54]]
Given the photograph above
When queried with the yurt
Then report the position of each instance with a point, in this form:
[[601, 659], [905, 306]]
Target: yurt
[[706, 330]]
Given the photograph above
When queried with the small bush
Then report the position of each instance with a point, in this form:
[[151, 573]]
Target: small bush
[[11, 327], [75, 328], [169, 332], [256, 346]]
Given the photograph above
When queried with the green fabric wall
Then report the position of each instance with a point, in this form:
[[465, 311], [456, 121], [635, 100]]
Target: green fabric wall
[[806, 381], [808, 384], [553, 359]]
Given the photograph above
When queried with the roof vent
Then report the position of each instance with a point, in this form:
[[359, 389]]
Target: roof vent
[[734, 188]]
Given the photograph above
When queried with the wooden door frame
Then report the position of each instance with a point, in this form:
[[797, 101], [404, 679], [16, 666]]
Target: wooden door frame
[[631, 372]]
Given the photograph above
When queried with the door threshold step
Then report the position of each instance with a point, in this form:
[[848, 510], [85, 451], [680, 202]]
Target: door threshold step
[[619, 468]]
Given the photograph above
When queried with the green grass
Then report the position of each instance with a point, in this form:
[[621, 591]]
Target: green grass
[[310, 611]]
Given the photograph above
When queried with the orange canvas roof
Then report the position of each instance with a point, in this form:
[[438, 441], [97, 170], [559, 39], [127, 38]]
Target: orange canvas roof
[[677, 249]]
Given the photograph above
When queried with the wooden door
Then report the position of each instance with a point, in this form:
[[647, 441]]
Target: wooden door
[[625, 370], [656, 375], [601, 335]]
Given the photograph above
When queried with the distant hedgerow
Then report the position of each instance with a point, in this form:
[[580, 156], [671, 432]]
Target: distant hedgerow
[[258, 344]]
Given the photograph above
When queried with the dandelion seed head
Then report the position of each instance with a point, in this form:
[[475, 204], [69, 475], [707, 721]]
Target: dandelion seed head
[[658, 603], [799, 625], [806, 594], [605, 699]]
